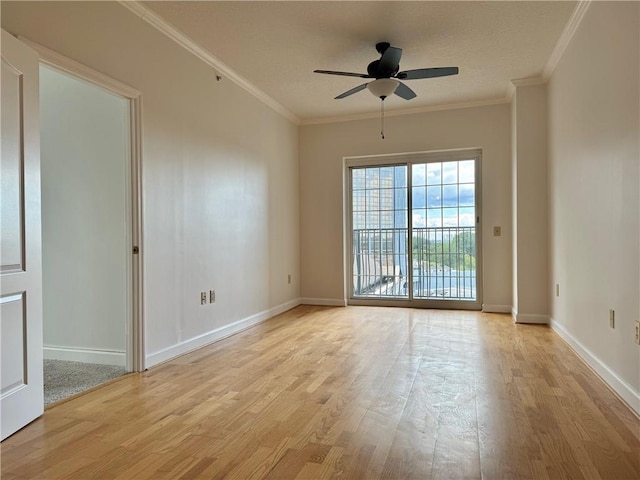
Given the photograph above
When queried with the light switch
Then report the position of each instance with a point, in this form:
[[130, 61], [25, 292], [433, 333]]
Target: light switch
[[497, 231]]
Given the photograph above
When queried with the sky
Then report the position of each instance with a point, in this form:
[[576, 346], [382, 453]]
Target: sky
[[443, 193], [437, 199]]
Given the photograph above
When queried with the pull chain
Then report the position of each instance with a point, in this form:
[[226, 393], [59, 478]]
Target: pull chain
[[382, 118]]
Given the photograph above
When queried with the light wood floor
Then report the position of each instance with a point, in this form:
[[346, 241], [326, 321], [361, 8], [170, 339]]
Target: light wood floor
[[349, 393]]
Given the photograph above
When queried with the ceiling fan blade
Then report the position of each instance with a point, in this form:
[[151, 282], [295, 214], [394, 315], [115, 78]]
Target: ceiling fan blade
[[389, 62], [344, 74], [427, 73], [404, 92], [352, 91]]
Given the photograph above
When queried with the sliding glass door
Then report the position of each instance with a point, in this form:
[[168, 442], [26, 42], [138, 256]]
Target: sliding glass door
[[380, 232], [414, 231]]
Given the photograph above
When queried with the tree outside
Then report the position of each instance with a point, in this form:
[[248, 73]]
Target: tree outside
[[455, 253]]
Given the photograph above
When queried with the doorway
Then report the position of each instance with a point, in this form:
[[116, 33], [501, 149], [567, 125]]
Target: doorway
[[86, 234], [414, 230]]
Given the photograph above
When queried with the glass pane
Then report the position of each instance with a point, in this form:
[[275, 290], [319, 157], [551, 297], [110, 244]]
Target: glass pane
[[450, 196], [358, 220], [419, 218], [357, 178], [419, 197], [373, 200], [434, 217], [400, 198], [450, 172], [372, 219], [387, 199], [400, 219], [434, 173], [372, 177], [449, 217], [387, 177], [358, 200], [387, 219], [467, 195], [400, 174], [418, 175], [467, 171], [467, 217], [434, 198]]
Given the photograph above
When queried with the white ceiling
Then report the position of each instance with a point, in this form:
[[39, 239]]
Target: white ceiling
[[276, 46]]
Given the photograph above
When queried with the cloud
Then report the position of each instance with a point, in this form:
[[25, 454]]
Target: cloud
[[467, 171], [418, 220], [467, 217], [467, 195], [419, 198], [434, 197], [434, 173]]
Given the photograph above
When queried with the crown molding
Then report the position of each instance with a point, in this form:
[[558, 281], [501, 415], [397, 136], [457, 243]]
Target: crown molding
[[523, 82], [203, 54], [565, 38], [408, 111], [528, 82]]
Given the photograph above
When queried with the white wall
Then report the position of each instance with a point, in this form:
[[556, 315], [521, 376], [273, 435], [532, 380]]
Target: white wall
[[594, 151], [322, 148], [220, 175], [85, 244], [514, 206], [529, 147]]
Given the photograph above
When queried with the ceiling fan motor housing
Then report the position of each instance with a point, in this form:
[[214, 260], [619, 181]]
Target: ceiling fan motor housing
[[374, 70]]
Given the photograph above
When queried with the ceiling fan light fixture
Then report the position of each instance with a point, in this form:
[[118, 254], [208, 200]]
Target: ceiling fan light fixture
[[383, 87]]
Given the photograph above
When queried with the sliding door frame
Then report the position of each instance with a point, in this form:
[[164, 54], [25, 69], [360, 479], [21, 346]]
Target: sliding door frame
[[410, 159]]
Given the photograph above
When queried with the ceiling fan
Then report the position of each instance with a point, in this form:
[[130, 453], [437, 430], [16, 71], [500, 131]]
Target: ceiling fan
[[387, 75]]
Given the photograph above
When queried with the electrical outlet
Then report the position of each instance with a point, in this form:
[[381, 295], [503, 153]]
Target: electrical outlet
[[212, 296], [638, 333], [612, 318], [289, 278], [557, 289], [203, 298], [497, 231]]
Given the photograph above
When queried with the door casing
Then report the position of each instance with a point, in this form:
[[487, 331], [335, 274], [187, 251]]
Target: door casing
[[135, 361]]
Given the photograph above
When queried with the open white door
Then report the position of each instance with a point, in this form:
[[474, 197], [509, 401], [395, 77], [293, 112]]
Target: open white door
[[21, 390]]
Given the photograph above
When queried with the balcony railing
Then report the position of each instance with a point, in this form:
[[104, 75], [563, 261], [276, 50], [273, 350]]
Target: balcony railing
[[443, 262]]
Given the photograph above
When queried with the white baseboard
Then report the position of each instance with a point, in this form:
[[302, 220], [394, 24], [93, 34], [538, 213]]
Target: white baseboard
[[531, 318], [330, 302], [617, 384], [217, 334], [496, 308], [85, 355]]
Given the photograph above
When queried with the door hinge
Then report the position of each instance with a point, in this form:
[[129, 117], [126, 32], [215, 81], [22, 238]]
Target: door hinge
[[477, 219], [136, 250]]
